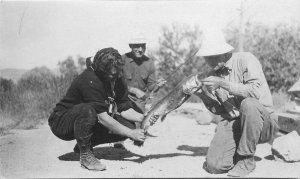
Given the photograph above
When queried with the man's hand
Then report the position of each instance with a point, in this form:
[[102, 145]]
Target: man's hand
[[213, 82], [137, 92], [190, 86], [221, 94], [160, 82], [138, 135]]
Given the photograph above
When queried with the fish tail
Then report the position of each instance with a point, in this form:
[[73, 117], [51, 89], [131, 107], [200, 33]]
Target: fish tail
[[163, 118]]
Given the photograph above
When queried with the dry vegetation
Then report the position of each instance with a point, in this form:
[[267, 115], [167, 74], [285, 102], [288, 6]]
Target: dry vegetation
[[29, 101]]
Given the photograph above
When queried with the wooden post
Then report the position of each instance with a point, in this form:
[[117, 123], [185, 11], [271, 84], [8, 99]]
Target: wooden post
[[241, 30]]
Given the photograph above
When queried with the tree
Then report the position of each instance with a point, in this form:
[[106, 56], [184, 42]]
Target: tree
[[81, 64], [6, 92], [6, 84], [278, 50], [37, 79], [177, 45], [68, 68]]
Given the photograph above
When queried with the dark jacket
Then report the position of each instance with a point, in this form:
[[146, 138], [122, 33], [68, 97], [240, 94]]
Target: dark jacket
[[88, 88], [139, 73]]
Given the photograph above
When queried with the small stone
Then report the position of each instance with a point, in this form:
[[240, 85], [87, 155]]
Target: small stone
[[286, 148], [203, 118]]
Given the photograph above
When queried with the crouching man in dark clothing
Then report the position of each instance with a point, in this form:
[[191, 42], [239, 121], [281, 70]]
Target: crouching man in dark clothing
[[96, 108]]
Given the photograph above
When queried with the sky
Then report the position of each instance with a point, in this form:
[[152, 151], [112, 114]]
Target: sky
[[42, 33]]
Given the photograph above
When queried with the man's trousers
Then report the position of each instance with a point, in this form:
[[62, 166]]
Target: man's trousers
[[82, 119], [240, 136]]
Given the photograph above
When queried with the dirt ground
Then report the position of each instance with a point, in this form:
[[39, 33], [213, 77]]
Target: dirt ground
[[178, 151]]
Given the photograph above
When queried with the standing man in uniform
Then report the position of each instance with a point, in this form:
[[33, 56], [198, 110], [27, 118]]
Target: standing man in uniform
[[140, 73], [238, 92]]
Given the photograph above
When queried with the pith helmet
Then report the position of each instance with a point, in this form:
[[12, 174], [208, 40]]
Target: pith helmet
[[213, 43], [138, 39]]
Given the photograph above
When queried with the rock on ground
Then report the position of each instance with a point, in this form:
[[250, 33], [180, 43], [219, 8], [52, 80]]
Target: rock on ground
[[287, 147]]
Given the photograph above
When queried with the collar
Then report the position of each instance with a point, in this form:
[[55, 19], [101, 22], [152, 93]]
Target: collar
[[229, 62], [89, 62], [133, 59]]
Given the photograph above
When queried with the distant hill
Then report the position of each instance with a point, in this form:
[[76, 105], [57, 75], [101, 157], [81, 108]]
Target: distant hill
[[11, 73]]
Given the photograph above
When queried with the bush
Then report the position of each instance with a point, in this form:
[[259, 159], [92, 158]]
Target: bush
[[178, 45], [30, 101], [278, 50]]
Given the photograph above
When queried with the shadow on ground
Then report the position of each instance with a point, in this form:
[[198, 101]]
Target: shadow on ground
[[111, 153], [257, 159], [270, 157]]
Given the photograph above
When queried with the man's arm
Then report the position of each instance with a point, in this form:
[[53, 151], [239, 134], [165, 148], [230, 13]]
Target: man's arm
[[248, 89], [252, 75], [132, 115], [210, 100], [137, 92], [117, 128], [151, 83]]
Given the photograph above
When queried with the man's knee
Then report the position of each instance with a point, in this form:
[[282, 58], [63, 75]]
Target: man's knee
[[253, 112], [86, 111], [217, 166], [249, 105]]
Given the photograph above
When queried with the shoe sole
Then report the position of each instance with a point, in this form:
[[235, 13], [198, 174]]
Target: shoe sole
[[229, 175], [82, 166]]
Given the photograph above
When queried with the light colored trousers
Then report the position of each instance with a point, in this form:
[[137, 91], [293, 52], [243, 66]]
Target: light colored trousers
[[240, 136]]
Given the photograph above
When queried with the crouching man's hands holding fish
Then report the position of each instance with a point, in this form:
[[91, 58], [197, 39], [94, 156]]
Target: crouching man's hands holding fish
[[211, 83], [191, 85], [214, 82]]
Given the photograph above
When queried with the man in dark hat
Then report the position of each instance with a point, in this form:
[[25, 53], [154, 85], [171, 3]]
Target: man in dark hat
[[96, 108]]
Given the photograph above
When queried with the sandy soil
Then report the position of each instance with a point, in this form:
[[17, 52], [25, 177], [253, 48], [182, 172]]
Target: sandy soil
[[179, 151]]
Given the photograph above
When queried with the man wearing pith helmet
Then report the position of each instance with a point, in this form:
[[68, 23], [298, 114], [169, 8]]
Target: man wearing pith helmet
[[139, 72], [237, 91]]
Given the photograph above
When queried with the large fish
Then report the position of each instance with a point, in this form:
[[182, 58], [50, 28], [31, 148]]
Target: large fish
[[164, 106], [176, 98]]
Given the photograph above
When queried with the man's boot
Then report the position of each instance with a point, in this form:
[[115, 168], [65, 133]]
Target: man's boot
[[87, 158], [77, 151], [244, 166]]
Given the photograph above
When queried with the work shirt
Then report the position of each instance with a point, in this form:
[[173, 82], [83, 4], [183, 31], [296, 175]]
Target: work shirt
[[246, 79], [139, 73], [89, 88]]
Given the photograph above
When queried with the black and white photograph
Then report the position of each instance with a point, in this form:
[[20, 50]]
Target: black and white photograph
[[149, 89]]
